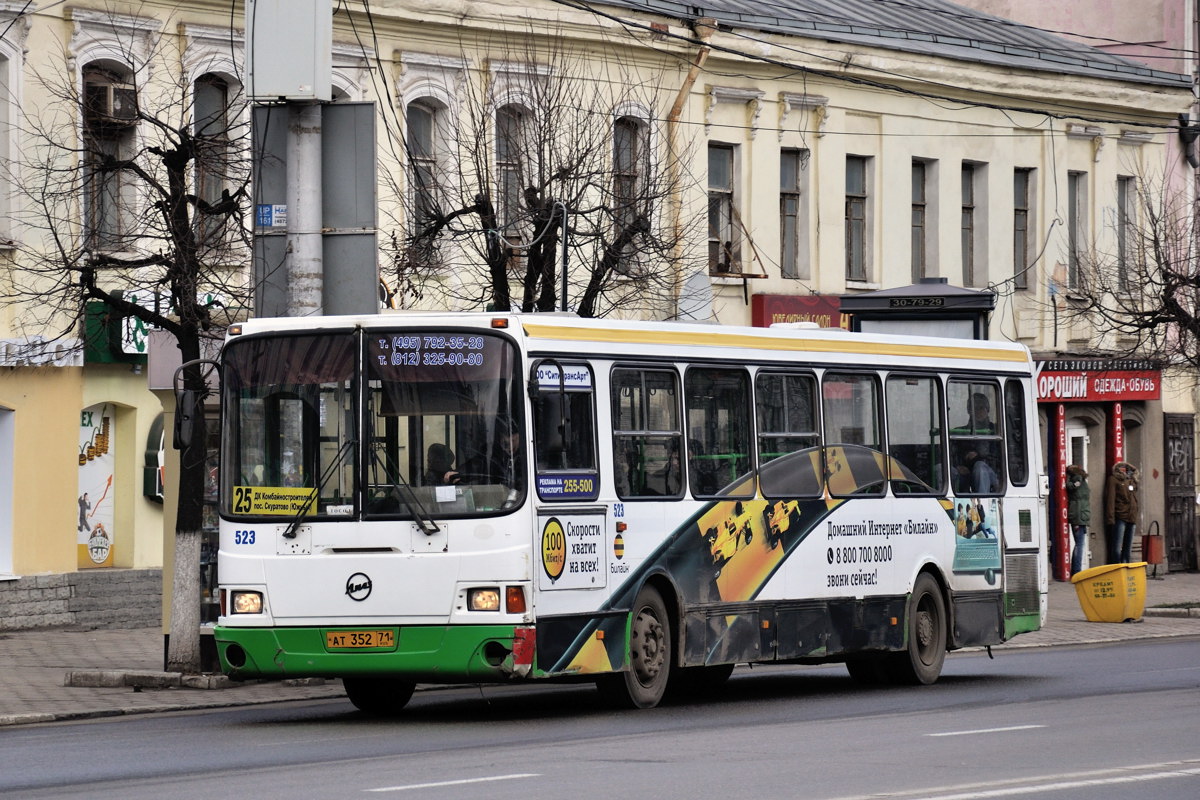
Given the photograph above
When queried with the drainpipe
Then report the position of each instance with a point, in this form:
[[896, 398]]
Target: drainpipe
[[703, 28]]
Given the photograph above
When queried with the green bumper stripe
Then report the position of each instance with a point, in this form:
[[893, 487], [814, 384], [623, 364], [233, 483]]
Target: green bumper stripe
[[432, 654], [1022, 623]]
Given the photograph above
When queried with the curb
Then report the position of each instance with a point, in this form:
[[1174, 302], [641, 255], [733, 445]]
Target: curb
[[1171, 612], [136, 679]]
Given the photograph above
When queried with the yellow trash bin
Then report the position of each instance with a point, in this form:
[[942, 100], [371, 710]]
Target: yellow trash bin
[[1112, 593]]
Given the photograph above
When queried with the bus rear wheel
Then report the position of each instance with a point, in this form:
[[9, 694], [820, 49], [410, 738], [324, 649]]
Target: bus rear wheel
[[643, 683], [921, 662], [381, 697]]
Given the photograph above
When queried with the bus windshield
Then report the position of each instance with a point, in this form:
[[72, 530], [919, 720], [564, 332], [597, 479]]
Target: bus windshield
[[443, 422], [430, 427]]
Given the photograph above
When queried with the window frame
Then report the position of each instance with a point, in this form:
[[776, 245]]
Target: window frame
[[622, 489], [877, 417], [1126, 220], [938, 488], [857, 218], [961, 437], [569, 479], [724, 246], [762, 431], [107, 215], [919, 219], [695, 460], [1022, 219], [630, 175], [791, 210], [1077, 199]]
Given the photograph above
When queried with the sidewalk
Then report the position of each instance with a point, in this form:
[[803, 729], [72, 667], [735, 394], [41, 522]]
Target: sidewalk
[[36, 666]]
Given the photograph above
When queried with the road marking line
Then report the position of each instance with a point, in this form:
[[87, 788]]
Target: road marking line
[[1063, 785], [1002, 786], [455, 783], [987, 730]]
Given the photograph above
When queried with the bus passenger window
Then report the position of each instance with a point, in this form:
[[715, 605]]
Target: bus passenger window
[[720, 442], [564, 431], [976, 450], [852, 434], [915, 435], [1014, 428], [647, 439], [789, 461]]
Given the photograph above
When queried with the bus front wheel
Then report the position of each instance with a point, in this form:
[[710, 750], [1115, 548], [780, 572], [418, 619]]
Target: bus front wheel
[[921, 662], [381, 697], [643, 683]]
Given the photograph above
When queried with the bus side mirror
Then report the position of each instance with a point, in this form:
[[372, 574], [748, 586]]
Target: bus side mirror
[[185, 418]]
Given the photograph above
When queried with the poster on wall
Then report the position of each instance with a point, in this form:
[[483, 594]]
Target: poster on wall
[[94, 529]]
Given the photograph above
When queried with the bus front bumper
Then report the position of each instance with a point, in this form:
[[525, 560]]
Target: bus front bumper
[[431, 654]]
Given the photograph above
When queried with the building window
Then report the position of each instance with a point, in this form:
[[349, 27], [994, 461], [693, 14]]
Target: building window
[[7, 93], [791, 162], [1126, 236], [422, 157], [1022, 185], [968, 224], [919, 221], [857, 228], [723, 245], [110, 116], [212, 98], [1076, 225], [510, 128], [629, 210]]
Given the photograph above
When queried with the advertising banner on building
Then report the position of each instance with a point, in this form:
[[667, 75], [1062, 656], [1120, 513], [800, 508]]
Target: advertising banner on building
[[822, 310], [94, 529], [1098, 381]]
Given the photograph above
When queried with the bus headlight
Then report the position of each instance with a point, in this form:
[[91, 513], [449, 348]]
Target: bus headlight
[[246, 602], [483, 599]]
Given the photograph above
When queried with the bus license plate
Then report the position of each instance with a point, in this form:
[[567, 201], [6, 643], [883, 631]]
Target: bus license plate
[[353, 640]]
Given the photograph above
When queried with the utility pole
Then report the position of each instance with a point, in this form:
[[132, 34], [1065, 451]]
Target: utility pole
[[289, 60], [305, 262]]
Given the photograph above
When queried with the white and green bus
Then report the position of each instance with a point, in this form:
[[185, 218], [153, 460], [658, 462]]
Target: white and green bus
[[440, 498]]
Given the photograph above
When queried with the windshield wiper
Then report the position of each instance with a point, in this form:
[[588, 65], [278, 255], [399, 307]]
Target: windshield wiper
[[403, 493], [294, 525]]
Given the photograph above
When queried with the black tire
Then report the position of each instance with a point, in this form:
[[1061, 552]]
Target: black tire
[[380, 697], [698, 682], [925, 618], [643, 682], [870, 670]]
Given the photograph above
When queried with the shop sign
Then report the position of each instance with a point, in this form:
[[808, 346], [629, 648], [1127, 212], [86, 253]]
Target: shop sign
[[1099, 386], [824, 310]]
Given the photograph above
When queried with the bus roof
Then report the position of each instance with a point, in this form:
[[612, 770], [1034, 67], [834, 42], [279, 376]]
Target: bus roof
[[566, 332]]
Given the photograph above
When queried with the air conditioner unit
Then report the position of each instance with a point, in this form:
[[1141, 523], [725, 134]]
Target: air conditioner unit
[[109, 105]]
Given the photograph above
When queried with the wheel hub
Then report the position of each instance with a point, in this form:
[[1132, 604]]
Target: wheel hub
[[647, 647]]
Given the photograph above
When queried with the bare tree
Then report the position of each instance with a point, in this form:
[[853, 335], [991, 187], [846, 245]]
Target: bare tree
[[1139, 296], [556, 164], [134, 194]]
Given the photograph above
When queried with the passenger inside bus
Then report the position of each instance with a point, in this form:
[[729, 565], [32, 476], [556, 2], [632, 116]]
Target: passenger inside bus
[[978, 457], [439, 469], [668, 480], [503, 465]]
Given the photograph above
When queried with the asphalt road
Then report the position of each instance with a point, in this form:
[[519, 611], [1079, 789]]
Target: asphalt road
[[1107, 721]]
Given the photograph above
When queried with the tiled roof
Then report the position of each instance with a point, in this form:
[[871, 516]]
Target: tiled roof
[[932, 27]]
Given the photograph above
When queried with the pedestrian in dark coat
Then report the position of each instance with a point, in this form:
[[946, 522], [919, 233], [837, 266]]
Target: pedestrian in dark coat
[[1079, 512], [1121, 511]]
